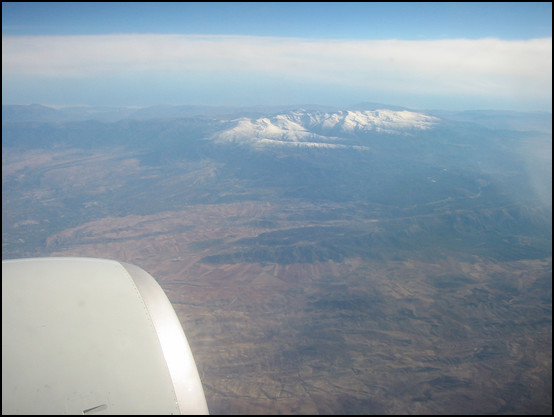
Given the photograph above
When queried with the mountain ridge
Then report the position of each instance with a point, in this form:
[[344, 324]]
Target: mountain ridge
[[323, 129]]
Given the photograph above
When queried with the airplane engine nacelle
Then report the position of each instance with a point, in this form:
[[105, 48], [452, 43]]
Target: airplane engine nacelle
[[85, 335]]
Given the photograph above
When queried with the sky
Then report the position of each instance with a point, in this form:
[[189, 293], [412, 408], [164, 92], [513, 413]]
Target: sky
[[451, 56]]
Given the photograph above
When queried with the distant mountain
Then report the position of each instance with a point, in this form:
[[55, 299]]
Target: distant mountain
[[500, 119], [32, 112], [46, 114], [360, 116], [323, 129]]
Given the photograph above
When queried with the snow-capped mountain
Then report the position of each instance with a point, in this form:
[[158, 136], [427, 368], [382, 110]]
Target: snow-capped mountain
[[321, 129]]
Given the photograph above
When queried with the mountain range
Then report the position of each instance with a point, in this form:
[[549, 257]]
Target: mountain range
[[322, 129]]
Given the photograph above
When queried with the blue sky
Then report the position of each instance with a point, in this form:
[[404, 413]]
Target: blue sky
[[420, 55]]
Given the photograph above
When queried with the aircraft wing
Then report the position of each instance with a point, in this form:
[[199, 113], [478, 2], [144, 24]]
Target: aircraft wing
[[85, 335]]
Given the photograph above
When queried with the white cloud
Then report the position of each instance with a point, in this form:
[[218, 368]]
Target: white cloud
[[459, 66]]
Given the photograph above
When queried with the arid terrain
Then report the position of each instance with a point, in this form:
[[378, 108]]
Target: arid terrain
[[355, 336], [312, 292]]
